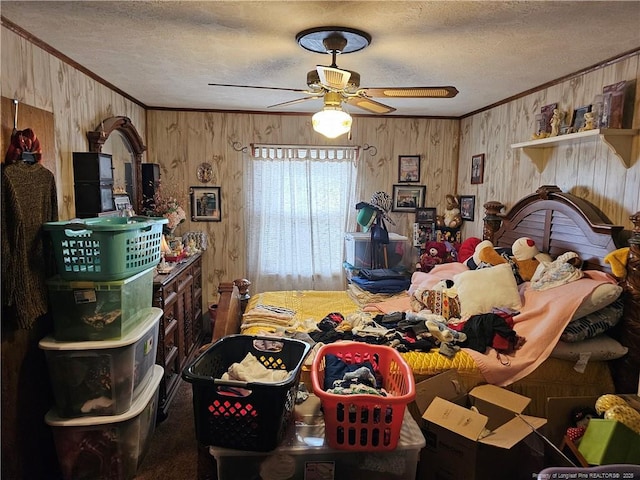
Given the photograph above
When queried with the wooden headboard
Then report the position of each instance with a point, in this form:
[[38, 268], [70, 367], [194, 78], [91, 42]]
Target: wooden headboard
[[558, 222]]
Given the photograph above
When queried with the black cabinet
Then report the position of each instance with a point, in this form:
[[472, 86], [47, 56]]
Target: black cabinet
[[93, 183]]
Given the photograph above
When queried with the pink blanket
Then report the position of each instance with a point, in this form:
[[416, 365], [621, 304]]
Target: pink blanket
[[542, 319]]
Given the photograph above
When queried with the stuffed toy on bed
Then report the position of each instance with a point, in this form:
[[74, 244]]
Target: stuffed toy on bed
[[524, 254], [434, 254]]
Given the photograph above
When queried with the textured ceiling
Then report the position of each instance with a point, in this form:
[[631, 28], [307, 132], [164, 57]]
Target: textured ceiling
[[164, 53]]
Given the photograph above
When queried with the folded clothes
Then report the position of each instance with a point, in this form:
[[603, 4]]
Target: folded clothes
[[251, 370]]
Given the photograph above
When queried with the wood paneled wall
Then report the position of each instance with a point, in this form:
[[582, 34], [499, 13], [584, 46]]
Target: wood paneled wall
[[180, 141], [78, 103], [588, 169]]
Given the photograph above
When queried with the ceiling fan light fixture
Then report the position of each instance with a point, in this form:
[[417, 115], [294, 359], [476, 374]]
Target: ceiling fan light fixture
[[331, 121]]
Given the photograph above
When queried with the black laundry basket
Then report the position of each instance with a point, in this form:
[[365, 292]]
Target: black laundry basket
[[257, 417]]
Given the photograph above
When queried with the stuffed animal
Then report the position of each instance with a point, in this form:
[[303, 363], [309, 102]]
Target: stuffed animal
[[467, 248], [452, 218], [434, 254], [524, 253], [474, 260]]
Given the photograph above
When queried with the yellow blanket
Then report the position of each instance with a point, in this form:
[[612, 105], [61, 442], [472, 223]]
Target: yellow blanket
[[315, 305]]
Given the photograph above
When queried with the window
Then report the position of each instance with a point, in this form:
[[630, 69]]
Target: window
[[297, 203]]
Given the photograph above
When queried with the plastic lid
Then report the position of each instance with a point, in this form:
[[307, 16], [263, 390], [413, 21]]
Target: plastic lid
[[106, 223], [62, 284], [153, 315], [139, 404]]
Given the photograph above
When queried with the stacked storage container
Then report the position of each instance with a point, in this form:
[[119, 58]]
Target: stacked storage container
[[102, 353]]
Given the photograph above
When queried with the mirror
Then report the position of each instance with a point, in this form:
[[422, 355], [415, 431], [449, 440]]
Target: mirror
[[118, 137]]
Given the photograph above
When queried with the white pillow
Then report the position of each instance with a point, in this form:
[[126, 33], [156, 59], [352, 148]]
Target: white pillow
[[481, 290], [603, 295], [601, 347]]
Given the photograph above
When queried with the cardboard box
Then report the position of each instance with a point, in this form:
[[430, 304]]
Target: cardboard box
[[457, 444]]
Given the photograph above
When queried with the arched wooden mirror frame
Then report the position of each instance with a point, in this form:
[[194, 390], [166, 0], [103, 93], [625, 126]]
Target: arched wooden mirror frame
[[128, 130]]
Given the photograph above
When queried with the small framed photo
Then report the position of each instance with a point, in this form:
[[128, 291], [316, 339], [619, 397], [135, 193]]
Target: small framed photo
[[577, 122], [477, 169], [121, 202], [408, 168], [206, 205], [467, 207], [406, 198], [425, 215]]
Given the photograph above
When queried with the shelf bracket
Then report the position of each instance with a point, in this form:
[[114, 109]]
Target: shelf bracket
[[538, 156], [621, 147]]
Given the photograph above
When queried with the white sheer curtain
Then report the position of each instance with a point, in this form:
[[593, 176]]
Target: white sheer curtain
[[297, 205]]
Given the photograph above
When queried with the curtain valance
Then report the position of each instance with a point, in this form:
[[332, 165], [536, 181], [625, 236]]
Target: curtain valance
[[304, 152]]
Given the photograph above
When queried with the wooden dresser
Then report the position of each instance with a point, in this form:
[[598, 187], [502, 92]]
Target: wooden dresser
[[179, 294]]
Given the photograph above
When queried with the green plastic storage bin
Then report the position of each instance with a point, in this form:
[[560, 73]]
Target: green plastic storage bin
[[86, 310], [106, 248]]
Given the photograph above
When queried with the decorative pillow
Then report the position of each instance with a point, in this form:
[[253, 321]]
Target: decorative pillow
[[481, 290], [602, 347], [602, 295], [440, 302], [593, 324]]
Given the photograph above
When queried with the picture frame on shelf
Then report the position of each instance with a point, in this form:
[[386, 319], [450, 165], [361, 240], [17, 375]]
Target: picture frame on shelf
[[547, 114], [121, 202], [206, 204], [468, 207], [578, 121], [408, 168], [406, 198], [425, 215], [618, 101], [477, 169]]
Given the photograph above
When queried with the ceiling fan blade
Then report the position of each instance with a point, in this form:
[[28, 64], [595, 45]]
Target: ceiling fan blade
[[264, 88], [369, 105], [411, 92], [332, 77], [293, 102]]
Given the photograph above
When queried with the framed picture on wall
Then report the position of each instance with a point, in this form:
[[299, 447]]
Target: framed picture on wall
[[406, 198], [206, 205], [408, 168], [477, 169], [467, 207]]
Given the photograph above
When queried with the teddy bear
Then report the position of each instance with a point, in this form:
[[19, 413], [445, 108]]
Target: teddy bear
[[524, 254], [451, 218], [434, 254]]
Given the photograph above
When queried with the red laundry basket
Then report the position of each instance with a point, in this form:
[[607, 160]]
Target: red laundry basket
[[365, 422]]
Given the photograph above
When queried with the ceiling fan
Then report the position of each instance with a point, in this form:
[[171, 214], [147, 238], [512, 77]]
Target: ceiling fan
[[337, 85]]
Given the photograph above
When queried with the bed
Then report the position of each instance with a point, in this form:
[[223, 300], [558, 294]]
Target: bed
[[558, 222]]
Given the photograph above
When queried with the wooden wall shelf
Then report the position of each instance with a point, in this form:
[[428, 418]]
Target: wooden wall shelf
[[620, 141]]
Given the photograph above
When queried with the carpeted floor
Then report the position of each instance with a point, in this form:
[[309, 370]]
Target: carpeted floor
[[173, 452]]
